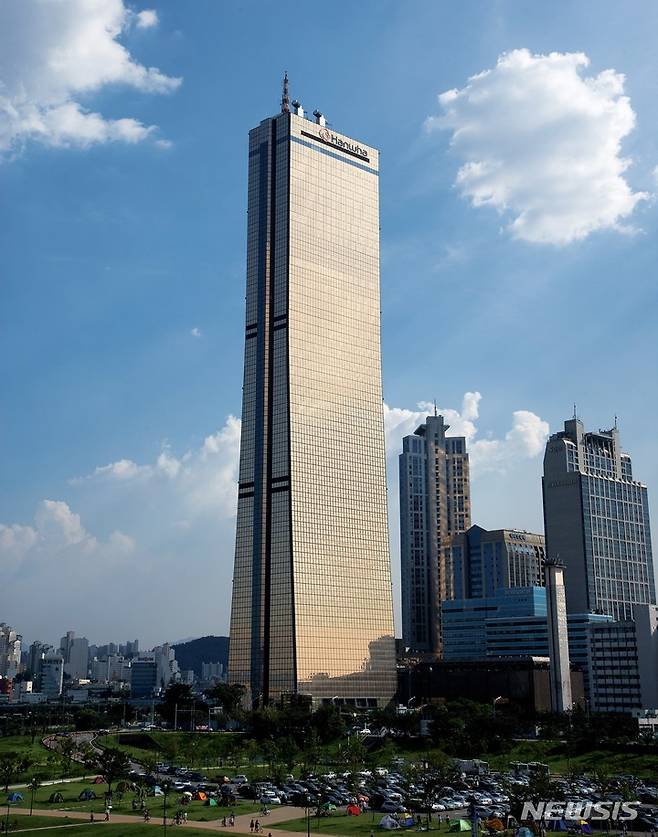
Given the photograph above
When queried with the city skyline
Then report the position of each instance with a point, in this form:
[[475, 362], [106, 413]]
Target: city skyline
[[124, 244]]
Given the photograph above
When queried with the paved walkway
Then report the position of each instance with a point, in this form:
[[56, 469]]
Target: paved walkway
[[241, 822]]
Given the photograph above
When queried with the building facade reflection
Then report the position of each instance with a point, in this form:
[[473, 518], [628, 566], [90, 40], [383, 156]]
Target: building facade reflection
[[312, 604]]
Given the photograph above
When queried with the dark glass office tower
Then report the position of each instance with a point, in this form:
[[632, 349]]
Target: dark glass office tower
[[312, 604], [596, 517]]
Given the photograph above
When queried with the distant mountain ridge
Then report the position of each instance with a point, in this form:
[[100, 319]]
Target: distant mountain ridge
[[206, 649]]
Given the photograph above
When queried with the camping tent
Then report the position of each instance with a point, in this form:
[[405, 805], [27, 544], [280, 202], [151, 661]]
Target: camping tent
[[56, 797], [15, 797], [557, 825], [459, 825], [86, 795], [388, 823], [211, 802], [524, 832], [99, 780], [407, 820], [201, 796], [495, 824], [353, 810]]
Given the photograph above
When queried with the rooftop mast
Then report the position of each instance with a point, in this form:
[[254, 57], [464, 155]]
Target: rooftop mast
[[285, 99]]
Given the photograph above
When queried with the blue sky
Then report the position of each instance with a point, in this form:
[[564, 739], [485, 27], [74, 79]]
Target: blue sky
[[124, 233]]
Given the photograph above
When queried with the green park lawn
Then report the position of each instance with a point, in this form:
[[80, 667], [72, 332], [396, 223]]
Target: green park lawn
[[556, 754], [35, 821], [70, 791], [342, 825], [57, 827], [216, 751], [42, 761]]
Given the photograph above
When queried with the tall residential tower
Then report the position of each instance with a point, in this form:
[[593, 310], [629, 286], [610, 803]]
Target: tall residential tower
[[596, 518], [435, 504], [312, 605]]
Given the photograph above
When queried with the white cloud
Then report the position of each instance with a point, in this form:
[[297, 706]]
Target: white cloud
[[52, 55], [146, 19], [156, 547], [540, 142], [195, 332], [154, 541], [525, 439]]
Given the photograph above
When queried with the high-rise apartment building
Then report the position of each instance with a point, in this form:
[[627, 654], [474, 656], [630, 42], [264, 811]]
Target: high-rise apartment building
[[483, 562], [435, 504], [75, 651], [596, 519], [10, 651], [52, 675], [312, 604]]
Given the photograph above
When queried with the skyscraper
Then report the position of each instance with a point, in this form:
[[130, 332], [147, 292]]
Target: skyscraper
[[435, 504], [483, 562], [312, 605], [596, 518]]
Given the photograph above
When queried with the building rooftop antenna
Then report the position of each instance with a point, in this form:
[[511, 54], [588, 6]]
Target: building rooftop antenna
[[285, 98], [575, 412], [435, 410]]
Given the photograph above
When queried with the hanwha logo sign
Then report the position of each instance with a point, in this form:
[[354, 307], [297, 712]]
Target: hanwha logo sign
[[325, 135]]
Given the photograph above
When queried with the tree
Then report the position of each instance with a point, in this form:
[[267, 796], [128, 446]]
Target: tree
[[112, 764], [67, 748], [179, 698], [328, 723], [435, 771], [12, 764], [353, 753], [34, 785], [229, 696]]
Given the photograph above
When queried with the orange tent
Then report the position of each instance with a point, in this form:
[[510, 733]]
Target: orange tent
[[201, 795]]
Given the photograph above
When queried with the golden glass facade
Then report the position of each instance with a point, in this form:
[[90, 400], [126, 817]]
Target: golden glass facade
[[312, 605]]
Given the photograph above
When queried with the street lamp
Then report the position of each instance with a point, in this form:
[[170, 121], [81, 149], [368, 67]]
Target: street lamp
[[496, 700], [166, 786], [34, 784], [7, 817]]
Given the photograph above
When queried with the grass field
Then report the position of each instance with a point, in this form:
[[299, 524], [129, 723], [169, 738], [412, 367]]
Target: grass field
[[43, 761], [558, 758], [215, 751], [53, 825], [196, 810], [21, 822]]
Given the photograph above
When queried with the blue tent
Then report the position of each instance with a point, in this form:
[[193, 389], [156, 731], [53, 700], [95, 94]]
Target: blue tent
[[557, 825], [15, 797]]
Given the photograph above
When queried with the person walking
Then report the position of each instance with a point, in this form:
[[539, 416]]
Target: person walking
[[251, 826], [257, 826], [107, 815]]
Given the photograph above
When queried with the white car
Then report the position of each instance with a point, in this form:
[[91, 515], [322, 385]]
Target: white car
[[270, 799], [240, 779]]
